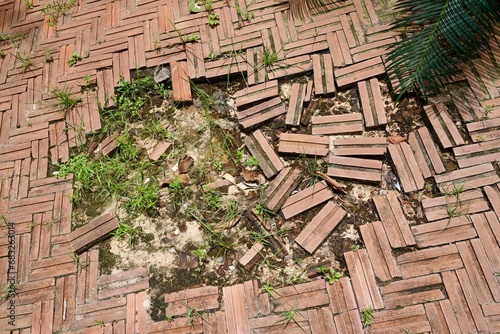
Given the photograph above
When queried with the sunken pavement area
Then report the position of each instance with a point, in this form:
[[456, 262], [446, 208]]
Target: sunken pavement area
[[438, 277]]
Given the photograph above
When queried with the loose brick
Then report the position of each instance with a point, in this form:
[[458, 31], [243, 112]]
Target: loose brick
[[468, 202], [360, 146], [303, 144], [306, 199], [278, 190], [445, 129], [367, 170], [337, 124], [320, 227], [407, 167], [443, 231], [467, 178], [265, 154], [372, 104], [260, 113]]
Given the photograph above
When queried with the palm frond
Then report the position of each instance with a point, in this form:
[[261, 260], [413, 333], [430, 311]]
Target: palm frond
[[446, 32]]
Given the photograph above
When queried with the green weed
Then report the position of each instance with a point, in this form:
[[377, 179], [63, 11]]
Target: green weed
[[56, 9], [330, 274], [292, 315], [63, 99], [268, 57], [25, 61], [126, 232], [367, 316], [252, 161], [73, 59], [213, 19]]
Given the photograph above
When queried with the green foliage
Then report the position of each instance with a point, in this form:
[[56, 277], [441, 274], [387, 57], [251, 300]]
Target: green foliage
[[73, 59], [126, 232], [212, 198], [443, 33], [99, 323], [63, 99], [367, 316], [14, 40], [29, 4], [47, 57], [56, 9], [2, 54], [268, 288], [268, 57], [25, 61], [213, 19], [330, 274], [292, 315], [217, 164], [252, 161], [201, 253]]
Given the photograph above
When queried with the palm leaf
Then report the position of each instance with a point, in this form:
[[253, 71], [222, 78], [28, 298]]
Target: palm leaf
[[444, 34]]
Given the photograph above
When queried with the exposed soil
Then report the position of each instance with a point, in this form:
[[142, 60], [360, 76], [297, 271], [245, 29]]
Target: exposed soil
[[176, 241]]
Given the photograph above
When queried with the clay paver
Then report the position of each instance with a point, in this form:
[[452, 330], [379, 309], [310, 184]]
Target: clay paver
[[295, 105], [368, 170], [493, 194], [445, 129], [256, 93], [394, 221], [257, 302], [262, 150], [380, 253], [467, 178], [341, 296], [411, 318], [279, 189], [360, 146], [363, 280], [320, 227], [407, 167], [425, 152], [260, 113], [305, 295], [443, 231], [337, 124], [92, 232], [488, 230], [359, 71], [181, 85], [235, 310], [372, 103], [484, 130], [201, 299], [429, 261], [251, 257], [412, 291], [303, 144], [467, 202], [477, 153], [323, 74], [480, 273], [306, 199]]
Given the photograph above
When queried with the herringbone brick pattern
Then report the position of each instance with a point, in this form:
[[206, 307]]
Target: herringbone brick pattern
[[440, 277]]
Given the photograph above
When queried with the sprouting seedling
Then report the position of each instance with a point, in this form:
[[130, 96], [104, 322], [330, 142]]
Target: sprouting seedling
[[330, 274], [292, 315], [269, 289], [367, 316]]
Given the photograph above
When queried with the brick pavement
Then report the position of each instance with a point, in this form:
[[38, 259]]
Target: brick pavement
[[439, 277]]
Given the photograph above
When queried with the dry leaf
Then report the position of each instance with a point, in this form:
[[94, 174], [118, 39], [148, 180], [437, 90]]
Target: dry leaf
[[250, 176], [396, 139], [185, 164], [334, 184], [230, 178], [226, 225]]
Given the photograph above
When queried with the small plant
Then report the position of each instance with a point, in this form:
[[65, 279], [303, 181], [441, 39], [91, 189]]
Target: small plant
[[29, 4], [213, 19], [2, 54], [191, 38], [127, 232], [47, 57], [269, 289], [99, 323], [25, 60], [262, 210], [57, 9], [330, 274], [217, 164], [73, 59], [212, 198], [76, 259], [252, 161], [192, 313], [367, 316], [176, 185], [169, 318], [64, 99], [201, 253], [292, 315], [208, 5], [480, 138], [268, 57], [212, 56], [9, 291], [354, 247]]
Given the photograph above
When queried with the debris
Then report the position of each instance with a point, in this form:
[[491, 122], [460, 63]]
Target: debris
[[332, 183], [185, 164], [396, 139]]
